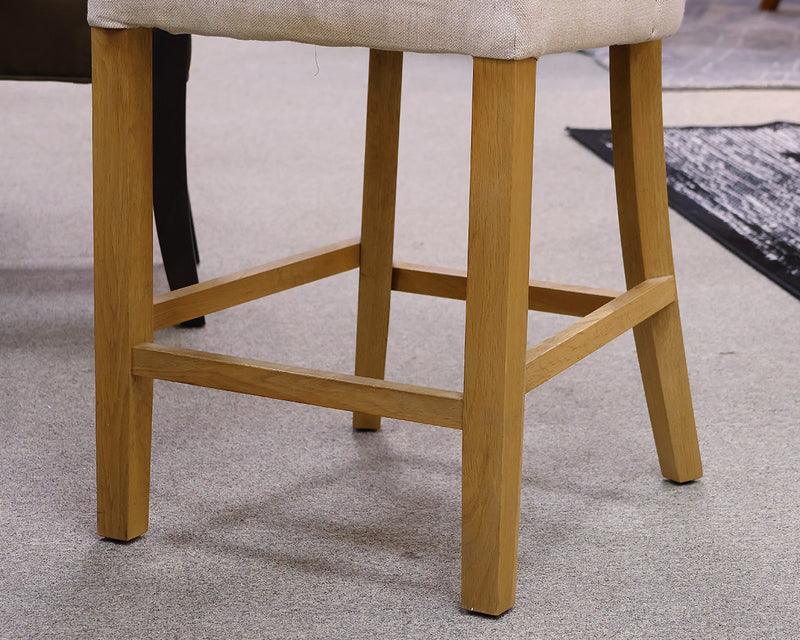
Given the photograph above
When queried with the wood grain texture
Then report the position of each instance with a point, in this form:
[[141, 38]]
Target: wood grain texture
[[557, 353], [123, 267], [548, 297], [377, 219], [635, 72], [227, 291], [297, 384], [496, 325]]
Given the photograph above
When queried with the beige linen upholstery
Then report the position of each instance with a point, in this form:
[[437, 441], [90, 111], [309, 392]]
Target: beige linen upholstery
[[506, 29]]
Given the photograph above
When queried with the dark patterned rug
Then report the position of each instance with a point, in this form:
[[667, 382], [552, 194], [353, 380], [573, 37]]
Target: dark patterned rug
[[727, 44], [741, 185]]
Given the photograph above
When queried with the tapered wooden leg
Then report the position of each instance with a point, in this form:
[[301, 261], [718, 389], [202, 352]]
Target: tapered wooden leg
[[377, 223], [496, 324], [769, 5], [647, 251], [123, 274]]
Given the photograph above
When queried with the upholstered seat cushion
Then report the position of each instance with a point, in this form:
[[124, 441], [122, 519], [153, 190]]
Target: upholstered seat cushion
[[485, 28]]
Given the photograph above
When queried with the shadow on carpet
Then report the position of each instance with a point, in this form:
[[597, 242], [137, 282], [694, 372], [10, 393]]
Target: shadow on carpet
[[731, 44], [741, 185]]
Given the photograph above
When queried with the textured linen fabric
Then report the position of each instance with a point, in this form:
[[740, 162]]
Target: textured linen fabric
[[486, 28]]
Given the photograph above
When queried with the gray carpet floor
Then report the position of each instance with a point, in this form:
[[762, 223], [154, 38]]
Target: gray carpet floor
[[273, 520], [731, 43]]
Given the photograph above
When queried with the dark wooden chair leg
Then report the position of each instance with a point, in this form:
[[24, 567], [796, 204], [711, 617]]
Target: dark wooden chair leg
[[173, 212]]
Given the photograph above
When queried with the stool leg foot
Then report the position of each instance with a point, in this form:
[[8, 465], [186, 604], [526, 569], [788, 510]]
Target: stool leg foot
[[377, 224], [496, 326], [659, 344], [123, 274], [647, 251]]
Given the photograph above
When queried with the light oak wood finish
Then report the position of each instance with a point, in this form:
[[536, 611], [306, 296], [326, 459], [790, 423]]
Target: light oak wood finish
[[498, 368], [123, 270], [557, 353], [297, 384], [548, 297], [647, 251], [496, 325], [234, 289], [377, 219]]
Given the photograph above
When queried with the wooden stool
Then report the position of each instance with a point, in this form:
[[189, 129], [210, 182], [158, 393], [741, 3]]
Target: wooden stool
[[499, 368]]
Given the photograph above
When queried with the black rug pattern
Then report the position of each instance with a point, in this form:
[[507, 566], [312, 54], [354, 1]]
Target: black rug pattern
[[741, 185]]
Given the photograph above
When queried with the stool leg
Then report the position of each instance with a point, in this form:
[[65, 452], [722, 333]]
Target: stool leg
[[496, 326], [647, 251], [377, 222], [123, 274]]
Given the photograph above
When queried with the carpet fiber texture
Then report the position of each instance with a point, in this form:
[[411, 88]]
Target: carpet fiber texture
[[725, 44], [741, 185], [270, 520]]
